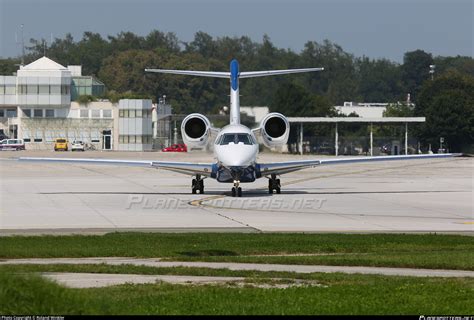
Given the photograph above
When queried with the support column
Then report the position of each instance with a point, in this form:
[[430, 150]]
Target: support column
[[371, 140], [336, 142], [406, 138], [301, 138]]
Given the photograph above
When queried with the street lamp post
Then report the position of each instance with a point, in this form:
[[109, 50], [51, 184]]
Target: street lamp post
[[432, 70]]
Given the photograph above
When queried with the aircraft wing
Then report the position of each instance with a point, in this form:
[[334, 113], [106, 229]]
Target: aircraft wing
[[204, 169], [279, 168]]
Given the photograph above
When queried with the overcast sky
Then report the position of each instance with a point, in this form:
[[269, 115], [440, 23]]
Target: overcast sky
[[375, 28]]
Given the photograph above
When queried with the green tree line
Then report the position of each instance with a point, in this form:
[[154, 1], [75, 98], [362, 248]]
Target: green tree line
[[119, 61]]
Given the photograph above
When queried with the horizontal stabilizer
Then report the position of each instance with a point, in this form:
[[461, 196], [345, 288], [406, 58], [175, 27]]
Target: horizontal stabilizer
[[211, 74], [253, 74]]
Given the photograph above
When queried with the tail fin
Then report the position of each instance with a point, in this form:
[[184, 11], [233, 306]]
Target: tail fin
[[253, 74], [248, 74], [193, 73], [234, 76]]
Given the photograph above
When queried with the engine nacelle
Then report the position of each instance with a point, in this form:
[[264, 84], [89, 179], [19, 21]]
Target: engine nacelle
[[195, 130], [275, 130]]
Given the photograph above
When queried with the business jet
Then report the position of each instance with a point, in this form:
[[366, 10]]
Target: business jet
[[235, 145]]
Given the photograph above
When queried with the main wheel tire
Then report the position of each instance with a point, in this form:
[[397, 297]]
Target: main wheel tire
[[233, 191], [239, 192]]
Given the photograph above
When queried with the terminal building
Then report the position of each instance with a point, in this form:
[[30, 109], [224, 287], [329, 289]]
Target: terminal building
[[38, 105]]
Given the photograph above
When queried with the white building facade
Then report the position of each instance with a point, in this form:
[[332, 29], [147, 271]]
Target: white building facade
[[363, 110], [36, 106]]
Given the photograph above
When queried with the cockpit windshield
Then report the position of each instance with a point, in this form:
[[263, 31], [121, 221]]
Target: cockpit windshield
[[236, 138]]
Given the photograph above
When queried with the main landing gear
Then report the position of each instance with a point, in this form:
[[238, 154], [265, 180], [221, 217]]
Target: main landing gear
[[274, 184], [198, 184], [236, 190]]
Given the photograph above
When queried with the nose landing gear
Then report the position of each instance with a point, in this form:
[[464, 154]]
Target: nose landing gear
[[236, 190], [274, 184], [198, 184]]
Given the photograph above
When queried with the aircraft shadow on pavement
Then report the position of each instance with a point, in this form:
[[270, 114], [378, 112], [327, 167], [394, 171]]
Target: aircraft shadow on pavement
[[254, 193]]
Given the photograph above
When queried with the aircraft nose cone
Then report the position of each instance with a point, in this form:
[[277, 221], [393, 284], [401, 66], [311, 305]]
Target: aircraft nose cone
[[235, 159]]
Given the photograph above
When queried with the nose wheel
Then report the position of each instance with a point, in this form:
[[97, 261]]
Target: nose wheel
[[236, 189], [274, 184], [197, 185]]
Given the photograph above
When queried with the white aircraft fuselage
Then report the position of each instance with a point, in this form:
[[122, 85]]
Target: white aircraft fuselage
[[237, 160]]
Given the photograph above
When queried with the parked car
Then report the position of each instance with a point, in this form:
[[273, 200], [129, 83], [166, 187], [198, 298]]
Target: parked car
[[12, 144], [176, 148], [60, 144], [77, 145]]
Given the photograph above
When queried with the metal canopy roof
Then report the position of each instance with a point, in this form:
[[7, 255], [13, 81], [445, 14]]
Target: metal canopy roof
[[355, 119]]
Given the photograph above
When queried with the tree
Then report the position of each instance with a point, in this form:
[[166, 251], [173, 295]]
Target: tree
[[379, 80], [399, 110], [203, 44], [8, 66], [447, 102], [338, 80], [459, 64], [294, 100], [415, 70]]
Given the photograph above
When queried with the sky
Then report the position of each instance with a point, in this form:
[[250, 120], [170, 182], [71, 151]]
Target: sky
[[374, 28]]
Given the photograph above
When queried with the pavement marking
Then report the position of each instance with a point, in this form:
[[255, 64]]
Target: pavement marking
[[156, 262]]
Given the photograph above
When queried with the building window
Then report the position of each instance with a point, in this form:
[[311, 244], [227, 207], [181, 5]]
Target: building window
[[95, 113], [84, 113], [43, 89], [107, 113], [55, 89], [11, 113], [27, 112], [139, 113], [38, 113], [121, 113], [131, 113], [26, 139], [2, 113], [49, 113], [2, 89], [32, 89], [38, 140], [10, 89]]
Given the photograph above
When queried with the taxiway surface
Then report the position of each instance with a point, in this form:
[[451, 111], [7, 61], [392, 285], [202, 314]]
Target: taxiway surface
[[399, 196]]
